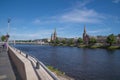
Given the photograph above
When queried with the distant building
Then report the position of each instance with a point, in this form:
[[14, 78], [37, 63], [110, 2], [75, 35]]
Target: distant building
[[101, 39], [54, 35], [118, 41], [85, 36]]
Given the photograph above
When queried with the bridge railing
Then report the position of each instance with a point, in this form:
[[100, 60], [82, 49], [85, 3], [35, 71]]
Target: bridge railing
[[38, 63]]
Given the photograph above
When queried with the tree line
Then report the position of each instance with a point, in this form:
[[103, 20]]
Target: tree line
[[111, 39]]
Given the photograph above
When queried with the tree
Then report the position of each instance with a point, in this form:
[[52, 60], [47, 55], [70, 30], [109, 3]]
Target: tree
[[57, 41], [3, 38], [71, 41], [92, 40], [51, 41], [80, 40], [111, 39], [63, 41]]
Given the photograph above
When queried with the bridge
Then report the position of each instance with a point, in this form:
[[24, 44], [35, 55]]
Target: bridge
[[39, 43]]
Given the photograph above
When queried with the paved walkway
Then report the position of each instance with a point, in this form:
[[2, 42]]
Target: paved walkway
[[6, 72]]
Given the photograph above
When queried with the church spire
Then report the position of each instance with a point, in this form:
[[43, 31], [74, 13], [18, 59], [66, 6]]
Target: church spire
[[55, 34], [84, 29], [55, 31], [85, 36]]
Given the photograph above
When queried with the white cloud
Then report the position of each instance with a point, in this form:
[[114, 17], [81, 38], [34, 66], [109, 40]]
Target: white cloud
[[116, 1], [43, 33], [36, 35], [77, 14], [99, 31], [82, 4], [82, 16], [37, 21]]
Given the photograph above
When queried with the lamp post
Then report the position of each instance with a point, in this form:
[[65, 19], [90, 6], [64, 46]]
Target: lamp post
[[7, 36]]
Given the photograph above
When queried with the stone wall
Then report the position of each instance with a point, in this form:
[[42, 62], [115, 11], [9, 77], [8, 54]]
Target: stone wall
[[23, 65]]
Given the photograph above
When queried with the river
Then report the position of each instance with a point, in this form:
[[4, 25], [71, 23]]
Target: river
[[78, 63]]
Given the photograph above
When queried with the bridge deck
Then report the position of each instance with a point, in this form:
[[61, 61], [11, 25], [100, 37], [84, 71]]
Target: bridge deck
[[6, 71]]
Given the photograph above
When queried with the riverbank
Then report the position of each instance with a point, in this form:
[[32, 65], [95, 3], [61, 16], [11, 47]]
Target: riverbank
[[89, 46], [102, 47], [61, 75]]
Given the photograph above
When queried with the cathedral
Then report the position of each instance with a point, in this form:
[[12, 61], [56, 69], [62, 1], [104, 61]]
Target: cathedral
[[85, 36], [54, 36]]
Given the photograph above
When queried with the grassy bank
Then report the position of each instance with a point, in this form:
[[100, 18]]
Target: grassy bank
[[104, 47], [56, 71], [113, 47], [89, 46], [61, 75]]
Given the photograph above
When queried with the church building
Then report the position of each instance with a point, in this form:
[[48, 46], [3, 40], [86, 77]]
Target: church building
[[54, 36], [85, 36]]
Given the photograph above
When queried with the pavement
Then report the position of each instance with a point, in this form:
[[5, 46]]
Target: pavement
[[6, 71]]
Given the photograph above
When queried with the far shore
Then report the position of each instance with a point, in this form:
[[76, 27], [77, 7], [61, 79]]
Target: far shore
[[112, 47]]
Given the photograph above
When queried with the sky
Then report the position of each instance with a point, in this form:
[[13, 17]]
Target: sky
[[37, 19]]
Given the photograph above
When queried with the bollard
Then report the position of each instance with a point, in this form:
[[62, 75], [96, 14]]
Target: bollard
[[37, 65], [26, 55], [20, 52]]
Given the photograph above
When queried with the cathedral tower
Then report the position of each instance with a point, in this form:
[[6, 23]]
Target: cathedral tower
[[85, 36], [54, 35]]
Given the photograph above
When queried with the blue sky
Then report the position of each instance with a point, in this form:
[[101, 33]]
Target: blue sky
[[36, 19]]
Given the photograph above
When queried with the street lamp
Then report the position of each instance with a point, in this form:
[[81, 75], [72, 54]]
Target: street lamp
[[7, 36]]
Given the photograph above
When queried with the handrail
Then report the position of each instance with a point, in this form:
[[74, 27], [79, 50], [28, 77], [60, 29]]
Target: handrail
[[37, 61], [46, 69]]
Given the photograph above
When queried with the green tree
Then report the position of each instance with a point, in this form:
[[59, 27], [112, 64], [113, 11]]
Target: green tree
[[51, 41], [63, 41], [111, 39], [80, 40], [29, 40], [3, 38], [71, 41], [57, 41], [92, 40]]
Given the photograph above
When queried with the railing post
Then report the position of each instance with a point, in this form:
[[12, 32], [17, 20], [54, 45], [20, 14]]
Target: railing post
[[37, 65], [26, 55], [20, 52]]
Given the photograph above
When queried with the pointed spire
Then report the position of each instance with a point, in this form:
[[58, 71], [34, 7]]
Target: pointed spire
[[51, 36], [84, 28], [9, 20], [55, 31], [55, 34]]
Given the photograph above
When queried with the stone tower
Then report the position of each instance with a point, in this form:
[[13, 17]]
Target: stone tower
[[54, 35], [84, 33], [85, 36]]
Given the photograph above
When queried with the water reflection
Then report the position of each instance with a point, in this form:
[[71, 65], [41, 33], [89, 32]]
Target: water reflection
[[54, 57]]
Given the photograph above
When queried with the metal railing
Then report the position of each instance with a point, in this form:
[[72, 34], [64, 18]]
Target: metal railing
[[38, 63]]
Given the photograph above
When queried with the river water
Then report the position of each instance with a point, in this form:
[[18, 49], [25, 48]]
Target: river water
[[78, 63]]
